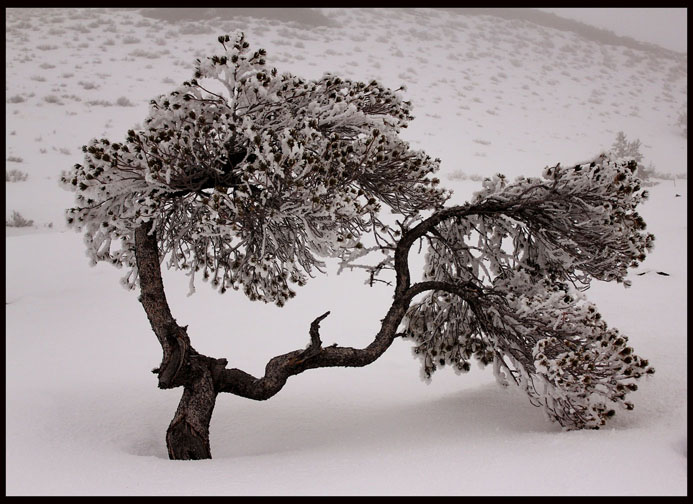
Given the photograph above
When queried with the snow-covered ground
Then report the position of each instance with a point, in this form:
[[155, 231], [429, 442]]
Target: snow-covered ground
[[83, 414]]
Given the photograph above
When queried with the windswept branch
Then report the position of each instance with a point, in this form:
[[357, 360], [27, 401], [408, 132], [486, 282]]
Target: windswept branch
[[280, 368], [527, 315]]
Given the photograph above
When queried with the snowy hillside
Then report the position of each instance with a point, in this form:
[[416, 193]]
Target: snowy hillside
[[84, 416]]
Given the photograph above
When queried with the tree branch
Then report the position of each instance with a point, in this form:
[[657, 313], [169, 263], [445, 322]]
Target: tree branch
[[280, 368]]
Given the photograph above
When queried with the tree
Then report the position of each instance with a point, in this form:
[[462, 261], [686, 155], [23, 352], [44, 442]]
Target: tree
[[622, 148], [250, 185], [625, 150], [682, 121]]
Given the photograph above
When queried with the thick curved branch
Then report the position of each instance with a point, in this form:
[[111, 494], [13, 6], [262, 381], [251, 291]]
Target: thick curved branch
[[280, 368]]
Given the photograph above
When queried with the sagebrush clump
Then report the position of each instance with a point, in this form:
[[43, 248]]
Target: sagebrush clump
[[15, 175], [18, 220]]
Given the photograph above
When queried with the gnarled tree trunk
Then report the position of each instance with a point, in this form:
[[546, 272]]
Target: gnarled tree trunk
[[187, 437], [202, 377]]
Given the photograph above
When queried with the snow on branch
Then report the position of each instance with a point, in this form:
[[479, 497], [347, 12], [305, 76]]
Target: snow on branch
[[251, 186], [531, 246]]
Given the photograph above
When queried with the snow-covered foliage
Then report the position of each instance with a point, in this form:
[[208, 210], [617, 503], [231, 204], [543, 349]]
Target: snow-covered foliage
[[511, 267], [249, 185], [249, 176]]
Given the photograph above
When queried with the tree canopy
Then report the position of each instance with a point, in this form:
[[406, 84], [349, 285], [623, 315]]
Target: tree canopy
[[250, 184], [508, 271], [249, 177]]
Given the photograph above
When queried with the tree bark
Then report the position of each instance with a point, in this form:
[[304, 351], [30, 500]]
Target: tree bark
[[187, 437], [173, 338]]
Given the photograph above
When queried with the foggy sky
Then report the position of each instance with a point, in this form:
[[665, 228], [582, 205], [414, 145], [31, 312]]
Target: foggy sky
[[666, 27]]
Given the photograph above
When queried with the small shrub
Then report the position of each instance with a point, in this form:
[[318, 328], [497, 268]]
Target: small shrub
[[15, 159], [52, 99], [15, 99], [79, 27], [71, 97], [458, 175], [194, 29], [129, 39], [16, 220], [141, 53], [88, 85], [99, 103], [15, 175], [124, 102]]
